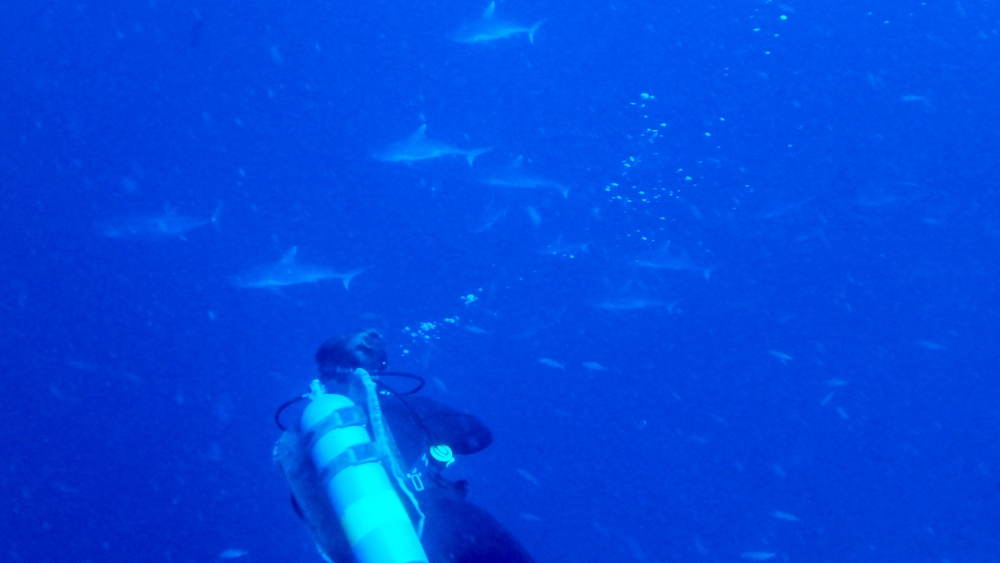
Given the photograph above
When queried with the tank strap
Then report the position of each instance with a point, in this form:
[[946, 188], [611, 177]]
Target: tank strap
[[353, 455], [347, 416]]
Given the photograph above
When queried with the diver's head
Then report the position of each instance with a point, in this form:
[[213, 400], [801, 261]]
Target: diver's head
[[343, 354]]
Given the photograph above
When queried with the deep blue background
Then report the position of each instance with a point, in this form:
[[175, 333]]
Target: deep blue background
[[838, 168]]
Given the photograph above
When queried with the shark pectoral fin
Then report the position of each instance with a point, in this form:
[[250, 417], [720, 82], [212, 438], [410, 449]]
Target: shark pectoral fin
[[280, 292], [517, 161], [564, 190], [471, 155], [289, 256], [421, 133], [350, 276], [531, 32], [215, 217], [489, 10]]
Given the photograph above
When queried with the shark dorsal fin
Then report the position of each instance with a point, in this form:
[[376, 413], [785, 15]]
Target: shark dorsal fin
[[421, 133], [289, 256], [489, 11], [517, 161]]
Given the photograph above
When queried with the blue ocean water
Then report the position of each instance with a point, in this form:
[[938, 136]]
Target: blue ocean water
[[762, 322]]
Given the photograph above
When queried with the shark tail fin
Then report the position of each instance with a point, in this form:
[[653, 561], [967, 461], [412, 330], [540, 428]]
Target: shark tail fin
[[534, 28], [471, 155], [350, 276]]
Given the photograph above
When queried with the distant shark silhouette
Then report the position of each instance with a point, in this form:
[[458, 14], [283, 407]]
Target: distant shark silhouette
[[419, 147], [516, 176], [490, 28], [634, 304], [289, 271], [154, 227], [677, 260]]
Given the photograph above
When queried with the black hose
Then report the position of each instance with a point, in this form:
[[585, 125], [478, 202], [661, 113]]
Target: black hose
[[398, 394], [281, 409], [416, 416], [406, 375]]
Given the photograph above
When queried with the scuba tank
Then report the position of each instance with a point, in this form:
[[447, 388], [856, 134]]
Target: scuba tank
[[374, 520]]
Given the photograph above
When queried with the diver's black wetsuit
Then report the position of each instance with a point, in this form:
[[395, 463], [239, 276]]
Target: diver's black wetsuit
[[455, 530]]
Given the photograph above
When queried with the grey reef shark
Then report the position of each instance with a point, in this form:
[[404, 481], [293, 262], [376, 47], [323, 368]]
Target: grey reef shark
[[677, 260], [418, 147], [290, 271], [490, 28], [155, 227], [519, 177], [635, 304]]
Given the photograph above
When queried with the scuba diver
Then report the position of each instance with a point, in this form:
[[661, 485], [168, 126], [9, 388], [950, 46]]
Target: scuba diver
[[365, 464]]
